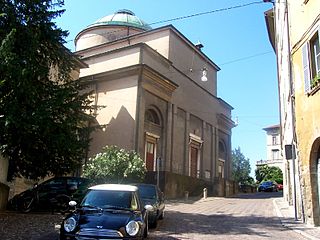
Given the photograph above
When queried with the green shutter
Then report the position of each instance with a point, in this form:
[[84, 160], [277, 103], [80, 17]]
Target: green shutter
[[306, 68]]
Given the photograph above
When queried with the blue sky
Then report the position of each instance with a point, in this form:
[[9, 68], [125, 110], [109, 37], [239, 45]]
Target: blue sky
[[235, 39]]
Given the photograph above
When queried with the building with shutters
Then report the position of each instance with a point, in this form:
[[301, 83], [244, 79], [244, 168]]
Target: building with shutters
[[160, 96], [294, 33], [274, 156]]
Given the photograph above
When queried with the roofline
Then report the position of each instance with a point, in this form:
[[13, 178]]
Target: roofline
[[166, 27], [171, 27], [272, 127], [269, 18]]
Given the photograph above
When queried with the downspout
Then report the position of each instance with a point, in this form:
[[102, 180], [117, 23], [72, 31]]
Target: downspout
[[294, 138]]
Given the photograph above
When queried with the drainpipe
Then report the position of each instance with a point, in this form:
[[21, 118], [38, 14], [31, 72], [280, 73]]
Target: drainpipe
[[294, 139]]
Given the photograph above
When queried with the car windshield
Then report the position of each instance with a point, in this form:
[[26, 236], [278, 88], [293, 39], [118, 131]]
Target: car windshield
[[147, 192], [109, 199]]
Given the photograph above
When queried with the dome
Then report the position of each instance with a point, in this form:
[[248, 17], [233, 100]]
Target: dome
[[121, 24], [122, 17]]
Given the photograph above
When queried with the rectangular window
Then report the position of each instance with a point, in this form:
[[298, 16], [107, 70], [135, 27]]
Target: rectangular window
[[274, 140], [311, 62], [275, 154]]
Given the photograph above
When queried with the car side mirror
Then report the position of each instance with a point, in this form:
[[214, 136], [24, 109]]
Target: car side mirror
[[72, 203], [148, 207]]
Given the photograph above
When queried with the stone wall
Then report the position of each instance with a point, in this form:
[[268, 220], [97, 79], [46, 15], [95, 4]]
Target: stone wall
[[178, 186], [4, 192]]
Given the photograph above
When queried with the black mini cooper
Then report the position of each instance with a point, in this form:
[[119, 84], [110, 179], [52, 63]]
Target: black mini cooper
[[108, 211]]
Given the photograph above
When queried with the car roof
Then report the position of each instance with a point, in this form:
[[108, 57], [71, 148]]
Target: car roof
[[114, 187]]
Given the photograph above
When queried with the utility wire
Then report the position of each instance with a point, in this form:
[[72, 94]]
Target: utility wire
[[187, 16], [245, 58], [208, 12]]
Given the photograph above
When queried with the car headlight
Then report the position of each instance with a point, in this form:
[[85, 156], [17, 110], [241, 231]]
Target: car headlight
[[70, 224], [132, 228]]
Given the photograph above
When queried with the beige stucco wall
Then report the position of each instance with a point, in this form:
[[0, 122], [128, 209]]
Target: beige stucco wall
[[187, 60], [111, 61], [301, 17], [308, 131], [307, 107], [119, 98]]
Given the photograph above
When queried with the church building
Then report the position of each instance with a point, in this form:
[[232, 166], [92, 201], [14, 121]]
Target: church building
[[159, 96]]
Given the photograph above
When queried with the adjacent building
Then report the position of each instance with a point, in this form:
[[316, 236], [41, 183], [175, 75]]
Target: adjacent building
[[159, 96], [274, 156], [293, 28]]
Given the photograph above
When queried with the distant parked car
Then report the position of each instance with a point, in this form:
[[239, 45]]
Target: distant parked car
[[53, 194], [152, 195], [108, 211], [267, 186], [279, 187]]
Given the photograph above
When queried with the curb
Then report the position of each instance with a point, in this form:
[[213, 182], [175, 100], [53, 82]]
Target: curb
[[284, 223]]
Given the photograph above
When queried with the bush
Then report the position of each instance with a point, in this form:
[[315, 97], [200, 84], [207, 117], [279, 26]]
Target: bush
[[115, 165]]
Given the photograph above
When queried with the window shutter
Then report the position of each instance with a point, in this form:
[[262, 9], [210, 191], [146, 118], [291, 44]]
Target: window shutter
[[306, 68]]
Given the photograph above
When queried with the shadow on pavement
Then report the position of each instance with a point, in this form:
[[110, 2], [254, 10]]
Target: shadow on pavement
[[258, 195], [178, 225]]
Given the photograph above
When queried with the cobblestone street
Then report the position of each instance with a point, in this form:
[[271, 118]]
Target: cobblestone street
[[35, 226], [248, 216]]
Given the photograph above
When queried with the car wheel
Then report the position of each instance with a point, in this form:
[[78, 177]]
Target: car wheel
[[62, 203], [161, 215], [154, 223], [146, 230], [26, 204]]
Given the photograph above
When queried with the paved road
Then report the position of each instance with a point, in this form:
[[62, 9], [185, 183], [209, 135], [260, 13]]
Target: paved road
[[249, 216]]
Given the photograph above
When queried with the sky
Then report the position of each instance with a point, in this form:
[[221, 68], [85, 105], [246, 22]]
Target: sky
[[234, 36]]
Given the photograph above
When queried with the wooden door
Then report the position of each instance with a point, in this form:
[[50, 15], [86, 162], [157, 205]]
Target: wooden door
[[193, 162], [150, 156]]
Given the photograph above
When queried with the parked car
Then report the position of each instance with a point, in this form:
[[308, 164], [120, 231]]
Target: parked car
[[152, 195], [108, 211], [280, 187], [53, 194], [267, 186]]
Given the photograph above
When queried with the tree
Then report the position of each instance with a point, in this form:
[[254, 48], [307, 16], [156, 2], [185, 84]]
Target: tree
[[115, 165], [42, 114], [240, 167], [266, 173]]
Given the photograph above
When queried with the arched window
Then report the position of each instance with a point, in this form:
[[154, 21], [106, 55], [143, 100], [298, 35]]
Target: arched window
[[152, 116]]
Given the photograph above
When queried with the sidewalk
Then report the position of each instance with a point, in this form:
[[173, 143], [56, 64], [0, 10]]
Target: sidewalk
[[286, 215]]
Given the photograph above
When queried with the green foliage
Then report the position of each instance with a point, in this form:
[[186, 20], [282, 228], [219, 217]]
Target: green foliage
[[241, 167], [315, 81], [266, 173], [42, 122], [115, 165]]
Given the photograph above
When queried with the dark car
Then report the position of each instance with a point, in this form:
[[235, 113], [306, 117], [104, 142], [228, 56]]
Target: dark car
[[152, 195], [53, 194], [108, 211], [267, 186]]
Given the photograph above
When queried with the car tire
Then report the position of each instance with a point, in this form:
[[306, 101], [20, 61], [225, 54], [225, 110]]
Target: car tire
[[62, 203], [25, 205], [154, 223], [146, 230]]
